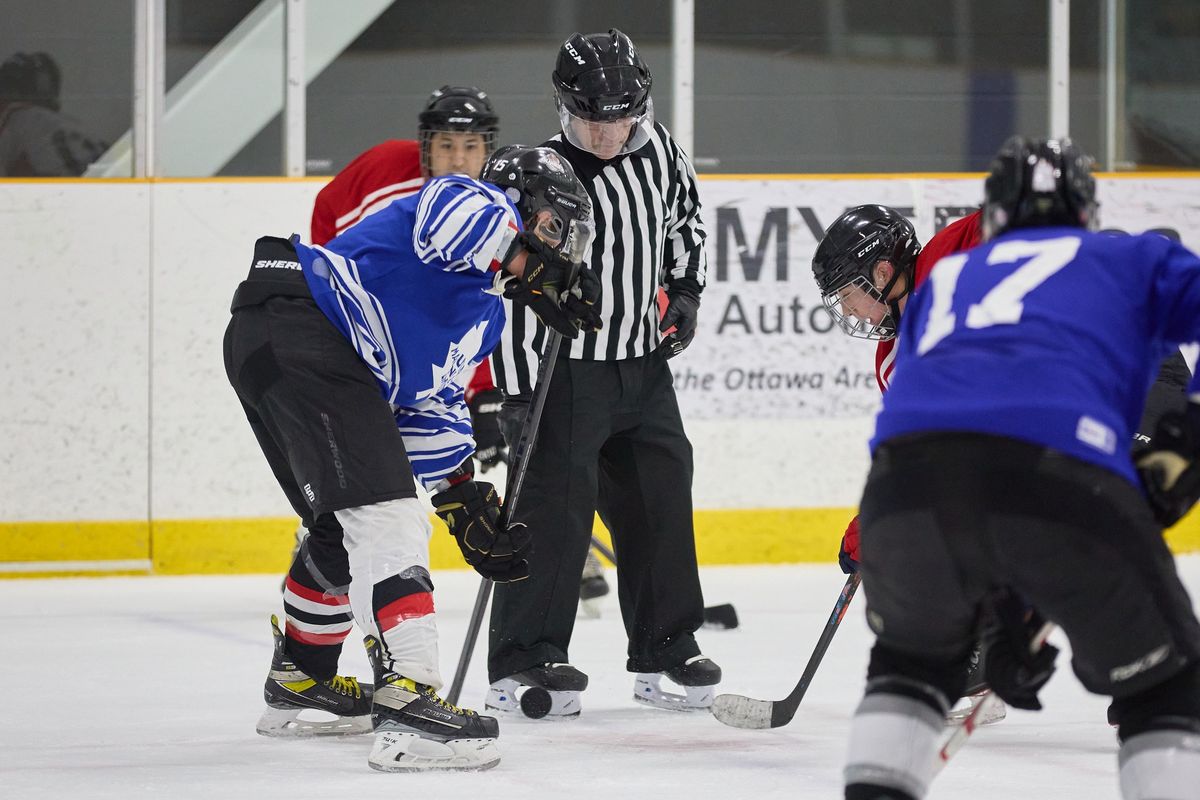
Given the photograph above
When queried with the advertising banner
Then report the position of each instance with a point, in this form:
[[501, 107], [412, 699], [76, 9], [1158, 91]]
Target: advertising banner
[[766, 346]]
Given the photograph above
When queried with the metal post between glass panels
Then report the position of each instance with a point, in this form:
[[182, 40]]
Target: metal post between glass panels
[[149, 42], [295, 86], [1059, 71], [683, 58]]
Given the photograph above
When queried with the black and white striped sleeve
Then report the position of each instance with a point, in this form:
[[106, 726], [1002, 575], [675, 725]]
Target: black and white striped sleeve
[[684, 255]]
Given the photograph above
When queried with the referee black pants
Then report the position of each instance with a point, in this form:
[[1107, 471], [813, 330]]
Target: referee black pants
[[610, 439]]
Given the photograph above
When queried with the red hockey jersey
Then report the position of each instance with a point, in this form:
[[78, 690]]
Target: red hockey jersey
[[954, 238]]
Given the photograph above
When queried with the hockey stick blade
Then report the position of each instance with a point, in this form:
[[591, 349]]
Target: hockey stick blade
[[739, 711]]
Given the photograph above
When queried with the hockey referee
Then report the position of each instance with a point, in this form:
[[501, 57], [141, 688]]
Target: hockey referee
[[611, 438]]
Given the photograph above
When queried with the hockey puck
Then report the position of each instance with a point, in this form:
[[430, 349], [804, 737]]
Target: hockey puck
[[535, 702]]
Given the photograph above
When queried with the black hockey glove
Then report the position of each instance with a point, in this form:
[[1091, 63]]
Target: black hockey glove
[[683, 304], [472, 512], [582, 302], [1014, 672], [563, 294], [1168, 469], [485, 423], [512, 418]]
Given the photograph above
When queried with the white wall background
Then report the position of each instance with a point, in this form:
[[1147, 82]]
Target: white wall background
[[113, 398]]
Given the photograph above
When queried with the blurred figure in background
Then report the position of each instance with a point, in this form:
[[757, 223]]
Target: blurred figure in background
[[36, 139]]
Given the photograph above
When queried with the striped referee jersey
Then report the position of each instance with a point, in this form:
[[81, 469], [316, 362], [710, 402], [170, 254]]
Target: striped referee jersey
[[646, 210]]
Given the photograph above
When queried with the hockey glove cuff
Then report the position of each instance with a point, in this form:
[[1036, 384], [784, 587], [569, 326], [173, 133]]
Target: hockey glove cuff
[[471, 510], [1169, 469], [1012, 669]]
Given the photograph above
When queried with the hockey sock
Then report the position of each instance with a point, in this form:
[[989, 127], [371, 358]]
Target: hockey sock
[[391, 592], [893, 740], [316, 603], [1160, 765]]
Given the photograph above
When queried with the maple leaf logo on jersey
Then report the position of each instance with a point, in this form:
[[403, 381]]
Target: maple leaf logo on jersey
[[459, 355]]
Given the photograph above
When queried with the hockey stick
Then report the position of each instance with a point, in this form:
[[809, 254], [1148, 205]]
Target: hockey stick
[[516, 479], [722, 616], [746, 712], [963, 731]]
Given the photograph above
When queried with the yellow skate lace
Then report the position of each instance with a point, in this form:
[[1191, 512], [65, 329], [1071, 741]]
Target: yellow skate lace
[[433, 697], [345, 685]]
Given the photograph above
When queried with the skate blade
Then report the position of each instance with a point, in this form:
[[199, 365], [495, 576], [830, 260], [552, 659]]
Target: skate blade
[[990, 717], [399, 751], [302, 723], [648, 691]]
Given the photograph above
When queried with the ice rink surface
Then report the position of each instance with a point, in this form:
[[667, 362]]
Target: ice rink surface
[[150, 688]]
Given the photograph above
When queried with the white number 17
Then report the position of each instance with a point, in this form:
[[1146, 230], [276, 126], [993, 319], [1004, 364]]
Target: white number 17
[[1005, 302]]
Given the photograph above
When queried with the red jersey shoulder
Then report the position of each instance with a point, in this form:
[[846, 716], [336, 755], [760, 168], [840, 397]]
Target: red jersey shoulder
[[387, 171], [960, 235]]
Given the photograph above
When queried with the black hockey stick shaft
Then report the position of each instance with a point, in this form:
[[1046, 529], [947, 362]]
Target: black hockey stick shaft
[[516, 479], [785, 709]]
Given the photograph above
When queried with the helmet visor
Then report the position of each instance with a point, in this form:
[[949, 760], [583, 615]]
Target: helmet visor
[[611, 138]]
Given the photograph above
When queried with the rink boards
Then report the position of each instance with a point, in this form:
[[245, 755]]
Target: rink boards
[[125, 449]]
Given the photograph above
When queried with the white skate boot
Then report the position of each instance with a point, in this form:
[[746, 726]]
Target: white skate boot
[[551, 691], [698, 676]]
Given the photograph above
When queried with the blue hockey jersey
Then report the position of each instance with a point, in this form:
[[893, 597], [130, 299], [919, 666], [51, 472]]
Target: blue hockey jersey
[[411, 288], [1048, 335]]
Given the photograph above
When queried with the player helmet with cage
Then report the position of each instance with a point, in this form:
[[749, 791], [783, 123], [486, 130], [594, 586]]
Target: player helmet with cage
[[456, 131], [602, 90], [555, 280], [864, 266], [551, 200], [1038, 183]]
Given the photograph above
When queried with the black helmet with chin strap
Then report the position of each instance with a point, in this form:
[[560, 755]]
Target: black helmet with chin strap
[[602, 78], [846, 258]]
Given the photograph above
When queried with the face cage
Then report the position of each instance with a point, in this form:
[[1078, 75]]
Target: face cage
[[639, 133], [425, 142], [854, 326]]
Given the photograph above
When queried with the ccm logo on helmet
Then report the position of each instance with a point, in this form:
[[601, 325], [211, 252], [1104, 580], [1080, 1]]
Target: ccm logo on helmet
[[575, 55], [867, 249], [614, 107]]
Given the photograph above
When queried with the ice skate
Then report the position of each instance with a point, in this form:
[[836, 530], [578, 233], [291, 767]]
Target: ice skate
[[698, 676], [592, 586], [973, 695], [416, 730], [550, 691], [298, 705], [963, 708]]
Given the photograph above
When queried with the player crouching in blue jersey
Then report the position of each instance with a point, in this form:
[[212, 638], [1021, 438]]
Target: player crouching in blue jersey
[[1001, 465], [348, 360]]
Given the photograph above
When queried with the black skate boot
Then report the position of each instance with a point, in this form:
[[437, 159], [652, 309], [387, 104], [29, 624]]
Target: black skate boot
[[289, 692], [548, 690], [698, 676], [592, 586], [416, 730], [973, 695]]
